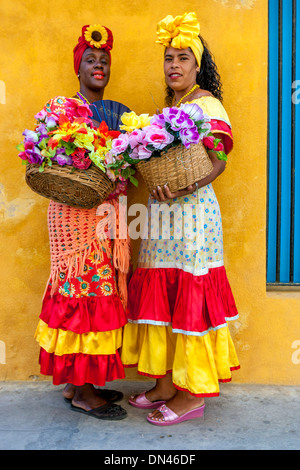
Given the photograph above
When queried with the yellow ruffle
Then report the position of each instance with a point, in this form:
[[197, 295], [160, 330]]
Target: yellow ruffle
[[198, 363], [62, 342]]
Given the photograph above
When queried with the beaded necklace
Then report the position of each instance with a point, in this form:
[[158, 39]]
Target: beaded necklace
[[85, 101], [187, 94]]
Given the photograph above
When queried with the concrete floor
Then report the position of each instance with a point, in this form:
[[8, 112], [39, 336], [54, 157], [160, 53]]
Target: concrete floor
[[33, 416]]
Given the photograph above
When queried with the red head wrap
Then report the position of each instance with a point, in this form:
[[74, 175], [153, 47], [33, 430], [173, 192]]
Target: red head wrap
[[94, 36]]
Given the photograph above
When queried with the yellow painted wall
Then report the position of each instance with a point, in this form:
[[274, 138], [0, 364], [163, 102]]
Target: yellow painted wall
[[37, 39]]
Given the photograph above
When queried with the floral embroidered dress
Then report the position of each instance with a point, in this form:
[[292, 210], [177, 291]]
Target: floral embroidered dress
[[179, 296], [83, 310]]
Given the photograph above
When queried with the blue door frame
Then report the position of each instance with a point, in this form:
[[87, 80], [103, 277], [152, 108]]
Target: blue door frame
[[283, 222]]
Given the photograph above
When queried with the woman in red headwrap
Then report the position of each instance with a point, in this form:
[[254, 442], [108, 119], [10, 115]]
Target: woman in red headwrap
[[83, 311]]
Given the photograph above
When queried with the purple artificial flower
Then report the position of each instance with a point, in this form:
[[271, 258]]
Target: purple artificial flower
[[31, 153], [51, 122], [64, 160], [30, 136], [181, 121], [61, 158], [194, 111], [42, 131], [189, 136], [176, 117], [158, 120]]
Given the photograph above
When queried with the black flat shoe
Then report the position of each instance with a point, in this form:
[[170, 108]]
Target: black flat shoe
[[108, 395], [107, 412]]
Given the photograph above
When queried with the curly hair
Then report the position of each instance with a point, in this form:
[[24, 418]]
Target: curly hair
[[208, 78]]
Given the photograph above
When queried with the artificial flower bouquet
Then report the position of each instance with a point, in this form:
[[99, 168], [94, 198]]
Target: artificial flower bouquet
[[64, 133], [168, 148], [65, 141]]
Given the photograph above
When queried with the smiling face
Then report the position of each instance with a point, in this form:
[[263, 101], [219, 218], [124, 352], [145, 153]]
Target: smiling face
[[180, 68], [94, 70]]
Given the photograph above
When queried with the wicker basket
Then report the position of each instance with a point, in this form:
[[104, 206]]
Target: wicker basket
[[79, 188], [179, 167]]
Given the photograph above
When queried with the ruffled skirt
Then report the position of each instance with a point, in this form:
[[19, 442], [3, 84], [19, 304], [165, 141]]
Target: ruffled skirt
[[180, 302], [80, 326]]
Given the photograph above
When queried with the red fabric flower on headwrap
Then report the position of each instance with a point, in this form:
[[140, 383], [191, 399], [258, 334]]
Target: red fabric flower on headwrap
[[94, 36]]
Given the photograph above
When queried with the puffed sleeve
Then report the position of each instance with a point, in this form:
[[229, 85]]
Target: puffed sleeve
[[220, 123]]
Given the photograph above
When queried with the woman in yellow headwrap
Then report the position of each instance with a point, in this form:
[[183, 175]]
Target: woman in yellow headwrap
[[180, 299]]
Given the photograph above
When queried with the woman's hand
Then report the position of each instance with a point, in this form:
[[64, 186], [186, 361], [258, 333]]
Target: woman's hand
[[163, 194]]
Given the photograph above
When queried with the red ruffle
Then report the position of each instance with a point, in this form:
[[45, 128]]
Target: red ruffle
[[225, 130], [79, 369], [190, 303], [83, 314]]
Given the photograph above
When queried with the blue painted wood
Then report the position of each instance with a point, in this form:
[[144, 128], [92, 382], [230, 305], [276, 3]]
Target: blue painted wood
[[273, 139], [296, 103], [283, 237], [286, 148]]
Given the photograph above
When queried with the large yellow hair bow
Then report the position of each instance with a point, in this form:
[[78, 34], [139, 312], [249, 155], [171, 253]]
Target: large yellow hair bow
[[181, 32]]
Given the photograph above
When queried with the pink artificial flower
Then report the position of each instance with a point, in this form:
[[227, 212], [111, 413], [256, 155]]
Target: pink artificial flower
[[120, 144], [209, 142], [74, 110], [109, 158], [157, 137], [136, 138], [111, 175], [219, 147], [143, 152], [40, 116]]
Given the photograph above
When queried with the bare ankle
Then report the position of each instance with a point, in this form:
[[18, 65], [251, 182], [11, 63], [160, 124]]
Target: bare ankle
[[163, 389]]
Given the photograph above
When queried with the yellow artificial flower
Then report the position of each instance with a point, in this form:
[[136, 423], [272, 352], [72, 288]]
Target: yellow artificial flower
[[98, 157], [80, 133], [96, 35], [144, 120], [84, 140], [132, 121]]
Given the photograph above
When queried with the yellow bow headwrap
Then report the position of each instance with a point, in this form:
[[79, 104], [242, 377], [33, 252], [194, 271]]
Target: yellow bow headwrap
[[181, 32]]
